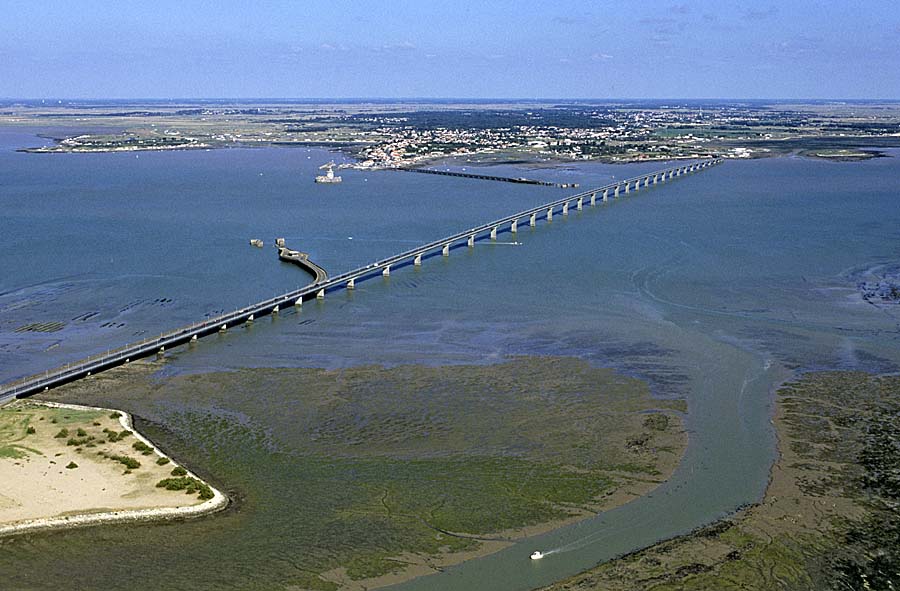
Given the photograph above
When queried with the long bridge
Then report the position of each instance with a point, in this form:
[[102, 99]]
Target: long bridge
[[320, 287]]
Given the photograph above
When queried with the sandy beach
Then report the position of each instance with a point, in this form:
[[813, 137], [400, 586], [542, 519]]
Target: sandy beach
[[61, 466]]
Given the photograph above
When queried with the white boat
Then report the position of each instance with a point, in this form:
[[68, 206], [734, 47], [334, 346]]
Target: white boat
[[537, 555]]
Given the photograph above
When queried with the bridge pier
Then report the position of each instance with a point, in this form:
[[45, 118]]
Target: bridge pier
[[616, 192], [250, 318], [637, 185], [646, 181], [514, 227], [532, 221], [418, 260], [193, 338], [446, 250], [550, 215], [627, 187], [605, 196], [471, 241], [299, 302], [386, 272], [320, 295], [580, 203], [275, 310], [351, 284], [594, 198], [161, 351], [494, 233], [565, 209], [222, 328]]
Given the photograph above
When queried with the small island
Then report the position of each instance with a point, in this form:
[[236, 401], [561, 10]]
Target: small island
[[63, 465]]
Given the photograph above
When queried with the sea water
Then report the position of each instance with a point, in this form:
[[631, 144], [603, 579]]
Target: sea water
[[713, 287]]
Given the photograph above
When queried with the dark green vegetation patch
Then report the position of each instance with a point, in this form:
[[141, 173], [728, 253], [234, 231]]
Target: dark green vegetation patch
[[354, 471]]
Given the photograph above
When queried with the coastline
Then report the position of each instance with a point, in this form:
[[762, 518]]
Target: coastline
[[217, 503]]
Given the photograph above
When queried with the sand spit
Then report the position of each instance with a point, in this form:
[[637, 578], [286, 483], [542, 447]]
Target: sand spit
[[38, 491]]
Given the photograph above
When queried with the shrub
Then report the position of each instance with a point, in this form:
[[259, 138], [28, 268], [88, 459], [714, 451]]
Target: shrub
[[63, 433], [657, 422], [178, 471], [30, 431], [72, 466], [142, 447], [128, 462], [162, 461], [81, 432], [115, 415]]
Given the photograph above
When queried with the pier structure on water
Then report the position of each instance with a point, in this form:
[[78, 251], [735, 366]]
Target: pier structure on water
[[322, 284]]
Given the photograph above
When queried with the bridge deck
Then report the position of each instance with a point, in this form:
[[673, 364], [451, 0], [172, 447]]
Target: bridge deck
[[179, 336]]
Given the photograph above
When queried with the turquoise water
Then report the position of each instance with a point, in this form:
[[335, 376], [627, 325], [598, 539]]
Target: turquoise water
[[714, 287]]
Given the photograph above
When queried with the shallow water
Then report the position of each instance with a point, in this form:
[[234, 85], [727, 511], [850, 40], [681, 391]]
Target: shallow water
[[714, 287]]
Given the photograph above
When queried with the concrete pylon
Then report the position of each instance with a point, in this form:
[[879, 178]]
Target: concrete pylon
[[605, 196], [299, 302], [514, 227], [275, 310], [471, 241], [386, 271], [532, 221], [193, 338], [616, 192], [250, 318], [320, 295], [627, 187], [594, 198], [565, 210], [351, 284], [579, 204], [446, 250], [550, 215], [494, 233], [418, 260]]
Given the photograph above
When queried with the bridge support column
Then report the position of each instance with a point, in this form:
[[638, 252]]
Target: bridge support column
[[494, 233], [627, 187], [637, 185], [446, 250], [320, 295], [193, 338], [299, 302], [646, 181], [565, 210], [550, 215], [514, 227], [605, 195], [579, 205], [275, 310], [418, 260], [250, 318], [594, 198], [471, 241], [222, 328], [161, 351], [351, 284], [655, 179], [386, 272], [616, 192], [532, 221]]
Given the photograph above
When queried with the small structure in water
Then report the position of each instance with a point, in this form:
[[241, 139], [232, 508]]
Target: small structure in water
[[537, 555], [256, 242], [328, 177]]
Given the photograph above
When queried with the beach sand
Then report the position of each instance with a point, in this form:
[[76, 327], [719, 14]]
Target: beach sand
[[48, 479]]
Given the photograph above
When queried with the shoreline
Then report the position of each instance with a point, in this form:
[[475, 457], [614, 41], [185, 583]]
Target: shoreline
[[218, 502]]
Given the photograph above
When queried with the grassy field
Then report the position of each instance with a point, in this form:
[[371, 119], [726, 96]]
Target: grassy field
[[372, 472], [829, 519]]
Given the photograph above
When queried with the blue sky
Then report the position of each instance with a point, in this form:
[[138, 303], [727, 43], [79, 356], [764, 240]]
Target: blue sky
[[462, 48]]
